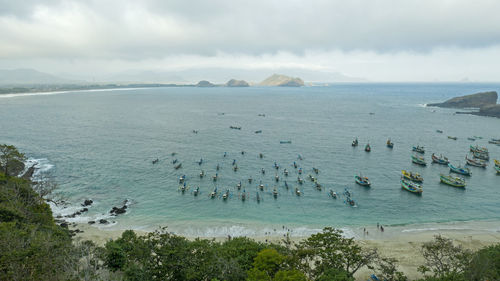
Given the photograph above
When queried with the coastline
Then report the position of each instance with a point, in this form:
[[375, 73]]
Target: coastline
[[400, 242]]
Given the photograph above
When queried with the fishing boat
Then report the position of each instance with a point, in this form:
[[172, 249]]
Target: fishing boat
[[419, 149], [475, 162], [174, 161], [196, 191], [286, 185], [243, 195], [389, 143], [218, 167], [493, 141], [459, 170], [235, 168], [213, 193], [297, 191], [418, 160], [250, 180], [202, 173], [471, 138], [439, 131], [478, 149], [311, 177], [258, 131], [183, 188], [300, 171], [497, 169], [411, 186], [316, 170], [285, 172], [238, 186], [497, 163], [295, 165], [333, 194], [347, 192], [257, 197], [155, 161], [235, 127], [277, 178], [261, 155], [452, 138], [300, 180], [263, 171], [200, 162], [355, 142], [261, 186], [318, 185], [416, 177], [178, 166], [214, 178], [453, 181], [440, 160], [351, 202], [364, 181], [275, 193], [481, 155], [368, 148], [182, 178], [225, 195], [285, 141]]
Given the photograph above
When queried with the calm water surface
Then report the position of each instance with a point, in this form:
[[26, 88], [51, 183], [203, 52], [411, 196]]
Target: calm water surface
[[100, 145]]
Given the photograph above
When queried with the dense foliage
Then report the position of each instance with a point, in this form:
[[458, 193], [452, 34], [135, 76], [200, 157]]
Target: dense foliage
[[34, 247]]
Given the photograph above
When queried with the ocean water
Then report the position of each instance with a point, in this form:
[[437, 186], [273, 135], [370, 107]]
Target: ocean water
[[100, 144]]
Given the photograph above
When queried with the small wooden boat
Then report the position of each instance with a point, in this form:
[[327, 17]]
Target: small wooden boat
[[214, 178], [297, 191], [478, 149], [286, 185], [471, 138], [295, 165], [333, 194], [452, 138], [439, 131], [475, 162], [311, 177], [349, 201], [258, 131], [263, 171], [300, 171], [225, 195], [275, 193], [368, 147], [235, 127], [418, 160], [389, 144], [497, 163], [243, 195], [416, 177], [202, 173], [261, 186], [196, 191], [497, 142], [481, 155], [497, 169], [277, 178], [182, 178], [451, 180], [213, 193], [440, 160], [218, 167], [200, 162], [411, 186], [419, 149], [183, 188], [238, 186], [355, 142], [235, 168], [174, 161], [459, 170], [316, 170], [300, 180], [178, 166], [257, 197], [285, 172], [364, 181], [285, 141], [155, 161], [318, 185], [261, 155], [250, 180]]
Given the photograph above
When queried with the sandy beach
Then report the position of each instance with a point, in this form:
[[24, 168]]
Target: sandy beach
[[397, 242]]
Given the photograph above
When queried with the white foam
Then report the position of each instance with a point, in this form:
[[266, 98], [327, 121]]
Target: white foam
[[42, 165]]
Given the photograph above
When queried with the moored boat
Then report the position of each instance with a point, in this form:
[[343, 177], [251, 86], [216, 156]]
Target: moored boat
[[196, 191], [475, 162], [451, 180], [275, 193], [333, 194], [481, 155], [297, 191], [390, 144], [497, 163], [460, 170], [213, 193], [364, 181], [439, 131], [178, 166], [478, 149], [416, 177], [440, 160], [418, 160], [497, 169], [419, 149], [355, 142], [411, 186], [368, 147], [452, 138], [285, 141]]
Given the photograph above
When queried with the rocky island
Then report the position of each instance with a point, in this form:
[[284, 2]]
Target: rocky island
[[282, 81], [237, 83], [485, 101]]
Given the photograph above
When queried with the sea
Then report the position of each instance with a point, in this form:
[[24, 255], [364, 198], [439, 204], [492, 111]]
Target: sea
[[100, 145]]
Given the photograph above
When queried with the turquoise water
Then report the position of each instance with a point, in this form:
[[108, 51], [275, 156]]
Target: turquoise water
[[100, 144]]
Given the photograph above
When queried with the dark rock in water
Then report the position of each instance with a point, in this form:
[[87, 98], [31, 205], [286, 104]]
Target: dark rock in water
[[478, 100], [64, 224], [489, 110], [84, 210], [117, 211], [29, 173], [87, 202], [59, 217], [103, 221], [237, 83], [91, 222]]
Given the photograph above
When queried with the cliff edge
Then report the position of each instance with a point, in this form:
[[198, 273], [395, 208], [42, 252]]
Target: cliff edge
[[478, 100]]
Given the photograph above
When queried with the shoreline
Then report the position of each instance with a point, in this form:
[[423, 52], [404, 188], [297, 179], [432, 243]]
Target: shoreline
[[396, 241]]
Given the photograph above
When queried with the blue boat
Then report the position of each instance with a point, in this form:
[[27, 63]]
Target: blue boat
[[460, 170]]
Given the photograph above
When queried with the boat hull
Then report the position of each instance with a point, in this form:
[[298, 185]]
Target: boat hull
[[411, 187]]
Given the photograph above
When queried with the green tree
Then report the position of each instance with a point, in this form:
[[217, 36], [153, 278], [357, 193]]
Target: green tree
[[289, 275], [11, 160], [267, 263], [444, 259], [330, 250], [485, 264], [387, 270]]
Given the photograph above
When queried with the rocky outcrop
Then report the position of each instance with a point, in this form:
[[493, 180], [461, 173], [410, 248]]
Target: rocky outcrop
[[237, 83], [205, 83], [29, 173], [282, 80], [478, 100], [489, 110], [119, 210]]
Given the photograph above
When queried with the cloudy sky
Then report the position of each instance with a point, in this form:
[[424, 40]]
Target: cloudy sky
[[378, 40]]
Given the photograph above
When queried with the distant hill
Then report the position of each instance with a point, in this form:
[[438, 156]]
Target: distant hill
[[205, 83], [237, 83], [477, 100], [30, 77], [282, 80]]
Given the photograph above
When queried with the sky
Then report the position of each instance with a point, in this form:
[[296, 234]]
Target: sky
[[373, 40]]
